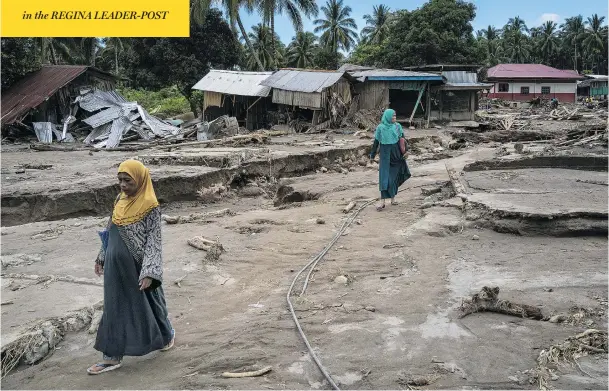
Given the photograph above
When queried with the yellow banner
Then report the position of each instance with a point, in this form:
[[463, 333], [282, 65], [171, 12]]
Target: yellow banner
[[107, 18]]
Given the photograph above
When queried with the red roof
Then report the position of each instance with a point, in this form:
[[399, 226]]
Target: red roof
[[530, 71], [37, 87]]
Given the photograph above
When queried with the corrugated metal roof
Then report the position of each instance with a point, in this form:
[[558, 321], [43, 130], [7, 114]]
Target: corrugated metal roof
[[460, 77], [302, 80], [394, 74], [34, 89], [463, 80], [530, 71], [234, 83]]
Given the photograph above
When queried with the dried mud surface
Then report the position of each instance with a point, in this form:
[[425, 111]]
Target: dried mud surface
[[407, 269]]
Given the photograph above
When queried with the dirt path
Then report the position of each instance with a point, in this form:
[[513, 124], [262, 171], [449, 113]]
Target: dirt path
[[407, 270]]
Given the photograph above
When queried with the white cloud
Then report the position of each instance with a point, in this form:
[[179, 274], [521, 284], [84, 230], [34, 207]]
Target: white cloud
[[548, 17]]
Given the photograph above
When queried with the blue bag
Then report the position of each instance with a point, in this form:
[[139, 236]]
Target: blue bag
[[104, 236]]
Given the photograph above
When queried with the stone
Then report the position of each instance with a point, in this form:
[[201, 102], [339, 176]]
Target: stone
[[251, 191], [323, 169], [370, 308], [341, 280], [343, 171], [320, 221], [429, 190], [475, 237], [558, 319]]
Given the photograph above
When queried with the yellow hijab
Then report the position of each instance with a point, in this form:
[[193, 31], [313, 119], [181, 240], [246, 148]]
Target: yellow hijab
[[129, 210]]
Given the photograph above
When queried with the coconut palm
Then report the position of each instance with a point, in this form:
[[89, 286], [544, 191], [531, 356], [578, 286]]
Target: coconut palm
[[293, 9], [548, 41], [491, 33], [595, 37], [377, 27], [302, 50], [261, 42], [515, 25], [574, 30], [114, 45], [517, 47], [338, 28], [199, 10]]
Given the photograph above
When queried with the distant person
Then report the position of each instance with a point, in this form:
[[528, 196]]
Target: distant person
[[135, 320], [393, 169]]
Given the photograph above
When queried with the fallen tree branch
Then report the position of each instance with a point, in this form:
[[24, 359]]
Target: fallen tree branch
[[195, 216], [487, 301], [247, 374]]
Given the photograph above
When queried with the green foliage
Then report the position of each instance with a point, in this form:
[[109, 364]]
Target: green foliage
[[154, 63], [301, 51], [19, 58], [438, 32], [327, 59], [166, 102], [262, 42], [369, 54], [337, 28]]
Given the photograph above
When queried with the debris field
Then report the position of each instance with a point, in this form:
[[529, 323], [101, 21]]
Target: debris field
[[491, 273]]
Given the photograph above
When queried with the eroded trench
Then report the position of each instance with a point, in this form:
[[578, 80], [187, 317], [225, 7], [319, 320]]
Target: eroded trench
[[174, 187]]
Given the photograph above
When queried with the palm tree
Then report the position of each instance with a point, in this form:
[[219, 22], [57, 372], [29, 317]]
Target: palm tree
[[377, 24], [574, 30], [199, 10], [338, 29], [517, 47], [548, 41], [302, 49], [491, 33], [595, 37], [261, 42], [516, 25], [293, 8], [116, 46]]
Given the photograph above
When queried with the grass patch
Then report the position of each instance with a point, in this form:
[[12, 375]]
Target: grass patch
[[164, 103]]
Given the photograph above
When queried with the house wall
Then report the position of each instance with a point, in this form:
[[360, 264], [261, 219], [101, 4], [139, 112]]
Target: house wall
[[598, 89], [372, 94], [563, 91], [454, 105], [311, 100]]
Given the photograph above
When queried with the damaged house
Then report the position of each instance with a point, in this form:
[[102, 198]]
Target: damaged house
[[46, 95], [314, 94], [62, 100], [236, 94], [407, 92], [457, 99]]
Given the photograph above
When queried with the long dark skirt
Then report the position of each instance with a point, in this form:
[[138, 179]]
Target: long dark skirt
[[134, 323], [393, 170]]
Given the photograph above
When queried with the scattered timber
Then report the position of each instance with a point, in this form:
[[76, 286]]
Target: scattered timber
[[487, 300], [247, 374], [196, 216]]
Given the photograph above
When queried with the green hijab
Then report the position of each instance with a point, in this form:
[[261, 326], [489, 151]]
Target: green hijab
[[388, 132]]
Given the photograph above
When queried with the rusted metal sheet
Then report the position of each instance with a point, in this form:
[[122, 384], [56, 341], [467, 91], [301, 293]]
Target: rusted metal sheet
[[36, 88]]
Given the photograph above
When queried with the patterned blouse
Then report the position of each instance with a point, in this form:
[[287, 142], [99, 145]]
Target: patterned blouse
[[143, 239]]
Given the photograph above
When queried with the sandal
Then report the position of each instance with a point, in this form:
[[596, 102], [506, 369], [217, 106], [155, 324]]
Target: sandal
[[106, 368], [172, 342], [394, 203], [380, 208]]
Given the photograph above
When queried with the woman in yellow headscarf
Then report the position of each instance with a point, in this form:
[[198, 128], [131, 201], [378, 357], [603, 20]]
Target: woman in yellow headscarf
[[135, 319]]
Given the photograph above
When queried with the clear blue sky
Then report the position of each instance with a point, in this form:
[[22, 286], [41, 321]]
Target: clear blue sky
[[493, 12]]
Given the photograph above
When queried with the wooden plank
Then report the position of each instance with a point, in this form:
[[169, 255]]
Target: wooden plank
[[417, 104]]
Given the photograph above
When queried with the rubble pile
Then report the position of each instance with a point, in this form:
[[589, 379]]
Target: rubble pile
[[110, 120]]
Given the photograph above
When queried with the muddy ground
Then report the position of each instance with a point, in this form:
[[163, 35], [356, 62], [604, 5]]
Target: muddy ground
[[538, 233]]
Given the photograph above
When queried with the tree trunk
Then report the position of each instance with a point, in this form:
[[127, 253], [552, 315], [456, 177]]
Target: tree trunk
[[273, 54], [116, 59], [53, 56], [249, 43]]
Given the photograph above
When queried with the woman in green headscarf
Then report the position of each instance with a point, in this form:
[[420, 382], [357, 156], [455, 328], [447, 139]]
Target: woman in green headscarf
[[393, 170]]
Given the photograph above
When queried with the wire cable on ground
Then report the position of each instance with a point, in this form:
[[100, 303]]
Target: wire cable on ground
[[312, 265]]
